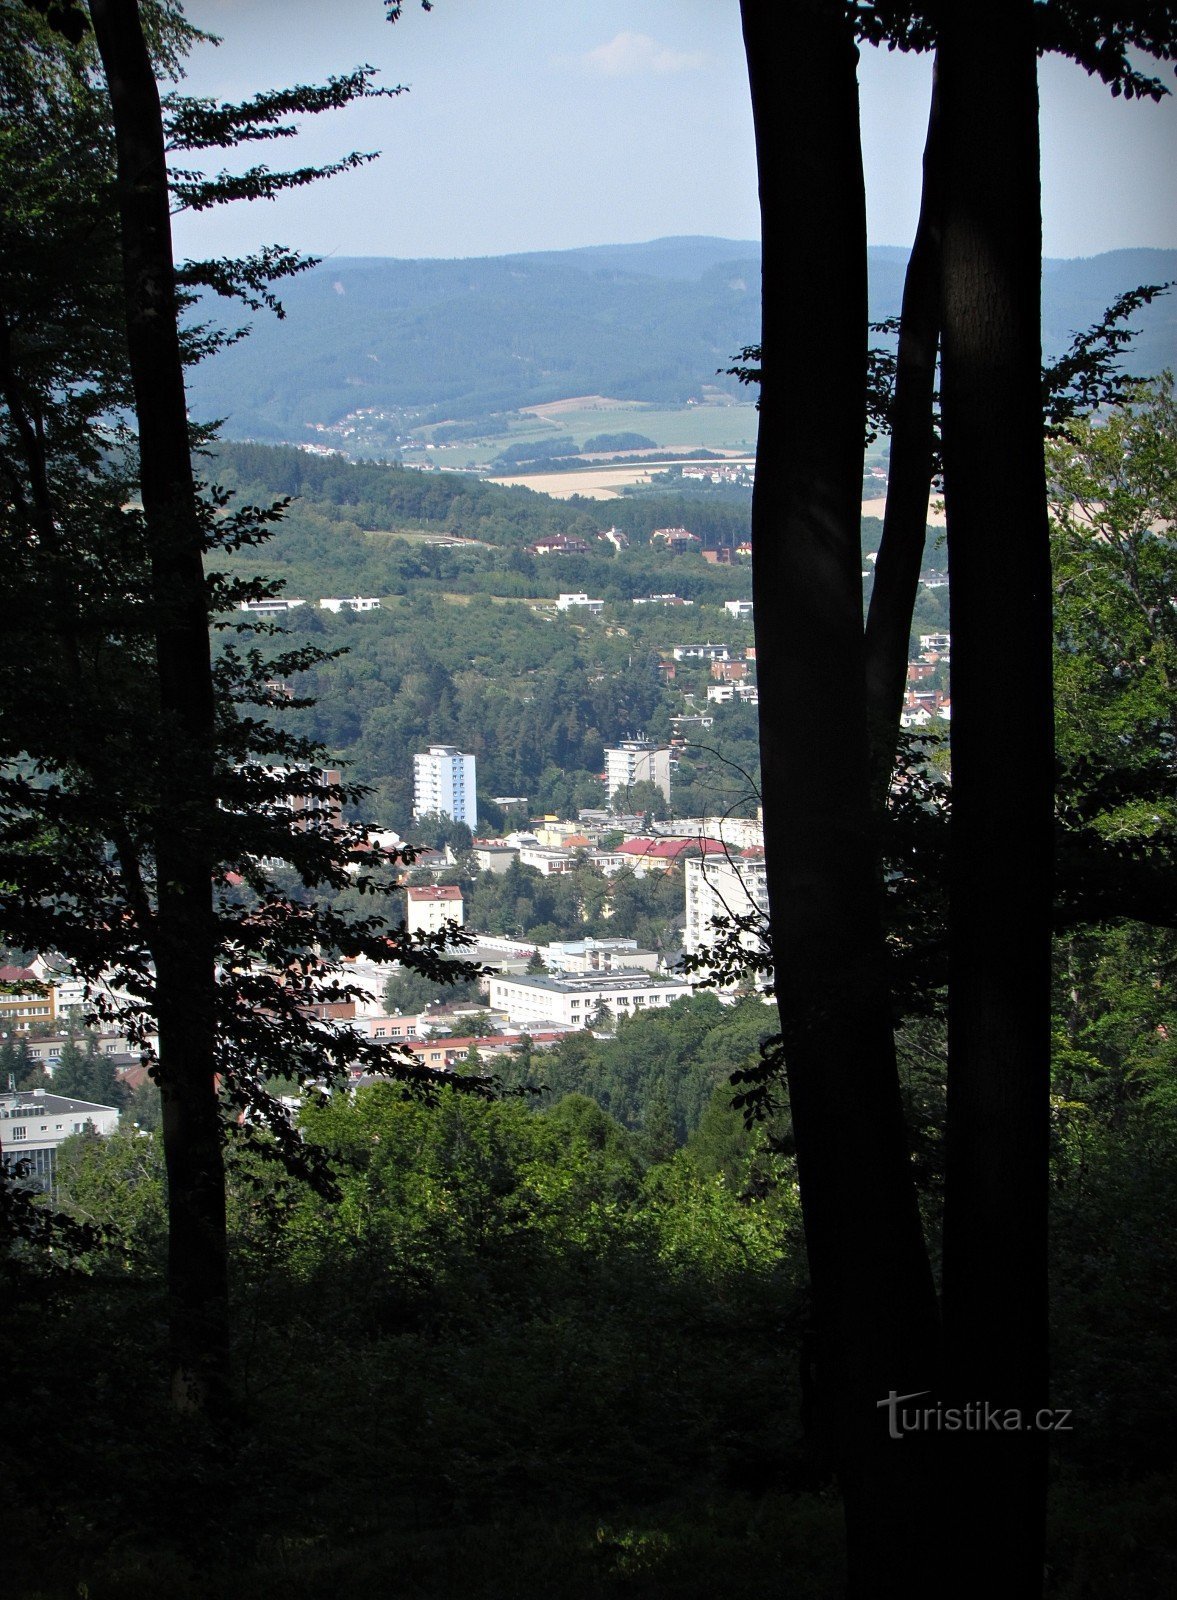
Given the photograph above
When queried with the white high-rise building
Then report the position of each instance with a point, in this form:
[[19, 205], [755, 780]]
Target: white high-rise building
[[443, 781], [638, 761], [729, 886]]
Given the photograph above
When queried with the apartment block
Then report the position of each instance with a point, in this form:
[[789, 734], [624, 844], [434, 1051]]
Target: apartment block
[[443, 782]]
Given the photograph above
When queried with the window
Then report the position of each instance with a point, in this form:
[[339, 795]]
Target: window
[[19, 1133]]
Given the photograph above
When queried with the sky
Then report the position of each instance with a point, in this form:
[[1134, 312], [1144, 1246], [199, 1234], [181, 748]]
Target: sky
[[548, 124]]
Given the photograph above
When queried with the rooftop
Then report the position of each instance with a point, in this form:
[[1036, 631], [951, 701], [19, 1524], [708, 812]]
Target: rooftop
[[592, 982], [27, 1102]]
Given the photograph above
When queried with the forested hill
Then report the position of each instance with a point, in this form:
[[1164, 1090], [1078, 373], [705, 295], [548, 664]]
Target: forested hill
[[457, 339]]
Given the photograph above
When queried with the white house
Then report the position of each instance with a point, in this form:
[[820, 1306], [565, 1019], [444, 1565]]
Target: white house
[[701, 652], [356, 603], [269, 608], [579, 602]]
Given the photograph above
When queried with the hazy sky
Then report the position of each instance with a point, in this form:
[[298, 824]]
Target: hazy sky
[[545, 124]]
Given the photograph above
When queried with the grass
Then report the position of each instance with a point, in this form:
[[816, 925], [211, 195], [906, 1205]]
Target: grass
[[718, 427]]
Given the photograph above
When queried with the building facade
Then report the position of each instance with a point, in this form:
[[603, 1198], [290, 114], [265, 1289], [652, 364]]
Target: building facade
[[724, 886], [637, 761], [576, 1001], [443, 782], [25, 999], [428, 909], [33, 1124]]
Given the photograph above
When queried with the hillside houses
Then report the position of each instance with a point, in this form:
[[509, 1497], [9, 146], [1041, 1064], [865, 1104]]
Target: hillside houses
[[558, 544]]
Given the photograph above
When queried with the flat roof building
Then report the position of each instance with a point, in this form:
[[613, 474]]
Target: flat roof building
[[34, 1123], [443, 783], [637, 761], [576, 1000]]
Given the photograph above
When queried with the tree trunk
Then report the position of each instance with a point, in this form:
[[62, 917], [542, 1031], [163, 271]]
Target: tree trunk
[[873, 1299], [995, 1293], [901, 550], [184, 933]]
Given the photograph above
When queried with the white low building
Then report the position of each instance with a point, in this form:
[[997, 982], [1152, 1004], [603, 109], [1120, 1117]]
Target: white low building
[[598, 955], [356, 602], [579, 602], [574, 1001], [277, 607]]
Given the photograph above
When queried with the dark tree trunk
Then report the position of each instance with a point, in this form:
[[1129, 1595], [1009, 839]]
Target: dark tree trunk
[[901, 550], [874, 1306], [183, 940], [1000, 877]]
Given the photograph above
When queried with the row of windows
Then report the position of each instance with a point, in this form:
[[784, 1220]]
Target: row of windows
[[20, 1131]]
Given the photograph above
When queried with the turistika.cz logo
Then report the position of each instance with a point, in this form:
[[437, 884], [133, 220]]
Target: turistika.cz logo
[[979, 1416]]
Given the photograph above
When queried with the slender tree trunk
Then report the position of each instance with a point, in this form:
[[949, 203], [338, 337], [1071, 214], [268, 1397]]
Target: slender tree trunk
[[901, 550], [1000, 876], [184, 936], [874, 1307]]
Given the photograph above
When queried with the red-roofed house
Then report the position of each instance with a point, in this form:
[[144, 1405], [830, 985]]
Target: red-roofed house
[[430, 907], [659, 855]]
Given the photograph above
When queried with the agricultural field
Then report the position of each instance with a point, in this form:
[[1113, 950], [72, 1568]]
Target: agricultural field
[[721, 427]]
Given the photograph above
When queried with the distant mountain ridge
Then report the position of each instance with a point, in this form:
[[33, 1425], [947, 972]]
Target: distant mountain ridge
[[436, 339]]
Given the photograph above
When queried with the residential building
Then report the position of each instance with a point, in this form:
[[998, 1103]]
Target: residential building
[[923, 706], [558, 544], [443, 782], [574, 1001], [579, 602], [658, 855], [494, 857], [724, 693], [701, 652], [320, 808], [738, 608], [738, 833], [724, 885], [615, 537], [33, 1124], [677, 540], [269, 608], [357, 602], [547, 860], [637, 761], [429, 908], [935, 646], [25, 1000]]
